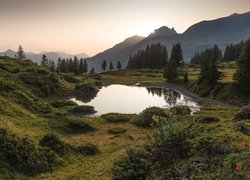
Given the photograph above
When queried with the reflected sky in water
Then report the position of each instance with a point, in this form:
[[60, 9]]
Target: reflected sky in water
[[133, 99]]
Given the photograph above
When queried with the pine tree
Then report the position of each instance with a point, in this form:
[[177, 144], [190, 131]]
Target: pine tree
[[111, 66], [119, 65], [104, 65], [52, 66], [81, 66], [75, 66], [92, 70], [185, 78], [85, 66], [176, 54], [170, 71], [45, 61], [242, 76], [20, 53]]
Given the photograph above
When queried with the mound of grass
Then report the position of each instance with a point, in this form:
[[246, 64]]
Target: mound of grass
[[181, 110], [244, 128], [243, 113], [145, 119], [87, 150], [117, 130], [83, 110], [117, 118], [208, 119], [23, 154], [6, 85], [80, 127], [54, 143], [70, 78], [63, 103]]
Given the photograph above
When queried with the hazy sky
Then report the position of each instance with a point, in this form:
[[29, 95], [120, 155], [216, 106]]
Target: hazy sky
[[91, 26]]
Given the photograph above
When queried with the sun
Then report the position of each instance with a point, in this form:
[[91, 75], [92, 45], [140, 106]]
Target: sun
[[144, 29]]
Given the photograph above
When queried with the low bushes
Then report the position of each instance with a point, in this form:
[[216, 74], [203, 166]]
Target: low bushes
[[25, 155], [70, 79], [208, 119], [116, 130], [181, 110], [145, 119], [80, 127], [116, 117], [6, 85], [87, 150], [83, 110], [63, 103], [54, 143]]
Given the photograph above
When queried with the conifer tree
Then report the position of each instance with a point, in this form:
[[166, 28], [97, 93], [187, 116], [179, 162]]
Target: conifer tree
[[85, 66], [111, 66], [20, 53], [45, 61], [104, 65], [242, 75], [92, 70], [185, 79], [75, 69], [119, 65]]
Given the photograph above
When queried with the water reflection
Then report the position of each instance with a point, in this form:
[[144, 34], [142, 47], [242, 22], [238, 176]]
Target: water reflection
[[133, 99]]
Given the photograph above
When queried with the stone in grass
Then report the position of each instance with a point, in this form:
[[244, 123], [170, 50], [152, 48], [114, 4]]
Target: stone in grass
[[243, 113], [208, 119], [116, 130]]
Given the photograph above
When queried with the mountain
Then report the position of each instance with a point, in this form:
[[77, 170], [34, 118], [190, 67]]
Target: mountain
[[202, 35], [120, 51], [37, 57]]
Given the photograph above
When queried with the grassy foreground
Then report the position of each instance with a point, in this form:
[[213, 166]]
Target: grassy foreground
[[31, 106]]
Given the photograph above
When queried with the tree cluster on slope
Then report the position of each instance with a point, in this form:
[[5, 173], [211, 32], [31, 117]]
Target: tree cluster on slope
[[154, 56]]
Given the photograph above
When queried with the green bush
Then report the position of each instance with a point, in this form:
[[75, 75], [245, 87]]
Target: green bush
[[63, 103], [116, 117], [83, 110], [87, 150], [145, 119], [80, 127], [6, 85], [244, 128], [116, 130], [24, 155], [70, 79], [54, 77], [208, 119], [54, 143], [181, 110], [133, 166]]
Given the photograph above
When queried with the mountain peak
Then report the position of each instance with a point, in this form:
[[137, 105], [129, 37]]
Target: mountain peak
[[164, 30], [234, 14]]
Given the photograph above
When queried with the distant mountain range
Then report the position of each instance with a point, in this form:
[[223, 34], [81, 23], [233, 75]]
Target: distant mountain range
[[200, 36], [37, 57]]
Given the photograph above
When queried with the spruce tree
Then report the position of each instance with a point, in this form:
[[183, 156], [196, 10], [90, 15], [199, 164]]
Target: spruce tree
[[52, 66], [119, 65], [111, 66], [242, 75], [81, 66], [185, 78], [45, 61], [104, 65], [75, 69], [85, 66], [176, 54], [92, 70], [20, 53]]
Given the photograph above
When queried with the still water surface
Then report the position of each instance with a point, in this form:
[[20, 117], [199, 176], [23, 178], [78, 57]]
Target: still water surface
[[133, 99]]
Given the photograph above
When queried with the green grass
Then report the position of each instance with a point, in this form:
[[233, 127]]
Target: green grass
[[27, 112]]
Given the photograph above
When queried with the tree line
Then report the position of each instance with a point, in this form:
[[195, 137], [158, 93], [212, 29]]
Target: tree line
[[154, 56], [111, 67]]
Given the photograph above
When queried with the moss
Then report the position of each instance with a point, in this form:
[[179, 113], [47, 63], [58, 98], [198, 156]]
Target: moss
[[117, 117], [181, 110], [83, 110], [208, 119]]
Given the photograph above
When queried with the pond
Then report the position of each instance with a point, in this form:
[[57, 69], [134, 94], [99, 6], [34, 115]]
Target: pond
[[133, 99]]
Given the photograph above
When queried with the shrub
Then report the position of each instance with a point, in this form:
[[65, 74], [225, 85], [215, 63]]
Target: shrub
[[133, 166], [63, 103], [116, 130], [6, 85], [87, 150], [208, 119], [116, 117], [145, 119], [53, 142], [80, 127], [181, 110], [243, 128], [54, 77], [83, 110], [86, 91], [70, 78], [243, 113], [24, 155]]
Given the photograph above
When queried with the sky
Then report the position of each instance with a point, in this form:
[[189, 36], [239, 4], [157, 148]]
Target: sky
[[92, 26]]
